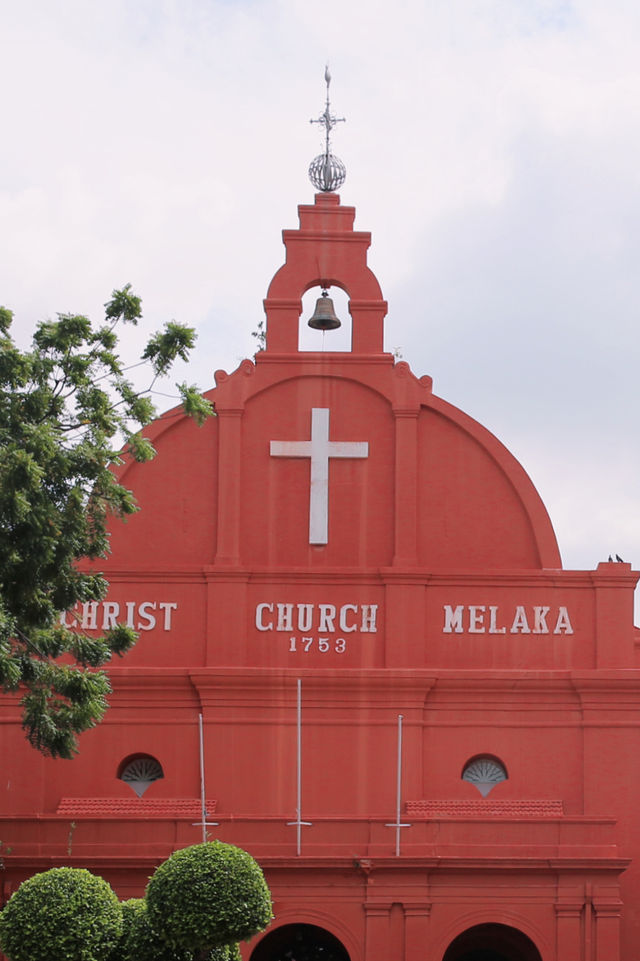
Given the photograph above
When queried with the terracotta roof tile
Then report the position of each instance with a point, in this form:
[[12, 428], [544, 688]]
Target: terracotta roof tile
[[484, 808], [132, 807]]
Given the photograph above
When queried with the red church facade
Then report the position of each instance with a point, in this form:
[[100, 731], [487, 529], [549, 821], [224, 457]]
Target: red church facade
[[340, 531]]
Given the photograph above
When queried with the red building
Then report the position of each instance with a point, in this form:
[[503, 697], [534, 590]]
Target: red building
[[340, 525]]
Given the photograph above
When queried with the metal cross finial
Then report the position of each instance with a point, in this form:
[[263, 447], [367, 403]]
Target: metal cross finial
[[327, 118], [327, 172]]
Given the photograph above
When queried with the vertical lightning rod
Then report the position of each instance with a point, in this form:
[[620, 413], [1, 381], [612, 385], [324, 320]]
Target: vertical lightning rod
[[203, 801], [399, 785], [299, 772], [397, 824], [299, 823], [203, 823]]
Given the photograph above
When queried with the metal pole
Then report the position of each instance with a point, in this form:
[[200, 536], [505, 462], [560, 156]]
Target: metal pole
[[299, 774], [202, 791], [397, 824], [203, 802], [299, 823], [399, 786]]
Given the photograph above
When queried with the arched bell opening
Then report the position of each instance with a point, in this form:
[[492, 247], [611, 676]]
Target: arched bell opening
[[492, 942], [300, 942], [314, 338]]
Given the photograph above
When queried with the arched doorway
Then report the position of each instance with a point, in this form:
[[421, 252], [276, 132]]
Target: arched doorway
[[492, 942], [300, 942]]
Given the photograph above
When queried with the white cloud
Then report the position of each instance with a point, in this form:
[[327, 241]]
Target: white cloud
[[492, 148]]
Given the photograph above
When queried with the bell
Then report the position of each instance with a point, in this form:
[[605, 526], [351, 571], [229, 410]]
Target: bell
[[324, 316]]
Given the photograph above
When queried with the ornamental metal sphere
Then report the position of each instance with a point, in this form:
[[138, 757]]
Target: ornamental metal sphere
[[327, 172]]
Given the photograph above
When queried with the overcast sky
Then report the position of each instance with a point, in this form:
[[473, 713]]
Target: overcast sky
[[492, 147]]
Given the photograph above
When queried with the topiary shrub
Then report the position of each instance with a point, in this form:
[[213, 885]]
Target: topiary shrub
[[224, 952], [139, 942], [65, 914], [206, 896]]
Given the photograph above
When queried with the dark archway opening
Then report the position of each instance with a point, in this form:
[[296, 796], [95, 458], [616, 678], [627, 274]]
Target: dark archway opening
[[492, 942], [300, 942]]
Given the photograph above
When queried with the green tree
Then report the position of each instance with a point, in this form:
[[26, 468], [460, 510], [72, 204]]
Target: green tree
[[65, 914], [206, 897], [67, 408]]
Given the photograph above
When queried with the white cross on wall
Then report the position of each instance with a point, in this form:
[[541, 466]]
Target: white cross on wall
[[319, 449]]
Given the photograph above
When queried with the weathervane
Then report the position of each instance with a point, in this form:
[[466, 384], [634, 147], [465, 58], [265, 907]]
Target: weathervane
[[327, 172]]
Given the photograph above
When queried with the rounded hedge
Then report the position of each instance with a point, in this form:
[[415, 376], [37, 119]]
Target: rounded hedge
[[139, 941], [65, 914], [207, 895], [224, 952]]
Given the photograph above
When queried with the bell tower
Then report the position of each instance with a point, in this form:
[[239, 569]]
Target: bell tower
[[325, 252]]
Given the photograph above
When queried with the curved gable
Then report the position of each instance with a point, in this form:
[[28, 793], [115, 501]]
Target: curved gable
[[478, 508]]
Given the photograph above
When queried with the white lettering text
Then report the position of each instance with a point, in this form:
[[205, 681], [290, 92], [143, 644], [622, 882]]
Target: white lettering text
[[472, 619], [452, 619]]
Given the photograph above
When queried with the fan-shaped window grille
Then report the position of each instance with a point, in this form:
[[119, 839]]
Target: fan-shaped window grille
[[484, 773], [140, 773]]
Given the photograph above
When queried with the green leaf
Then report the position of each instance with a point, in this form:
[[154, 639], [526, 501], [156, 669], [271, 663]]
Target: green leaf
[[124, 306], [174, 342], [194, 404]]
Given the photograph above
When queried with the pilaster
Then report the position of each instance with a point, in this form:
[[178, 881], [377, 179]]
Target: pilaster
[[377, 933], [416, 927], [569, 930]]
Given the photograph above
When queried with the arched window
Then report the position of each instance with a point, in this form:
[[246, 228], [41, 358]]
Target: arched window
[[484, 772], [139, 772]]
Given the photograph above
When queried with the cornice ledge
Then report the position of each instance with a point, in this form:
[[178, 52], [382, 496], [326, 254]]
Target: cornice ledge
[[608, 680], [315, 358], [384, 681]]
